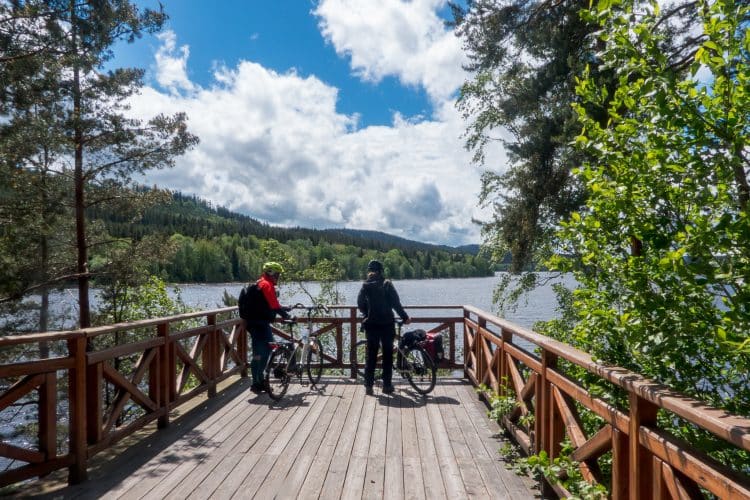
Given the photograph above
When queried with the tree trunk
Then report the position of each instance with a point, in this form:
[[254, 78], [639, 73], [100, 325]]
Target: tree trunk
[[78, 179]]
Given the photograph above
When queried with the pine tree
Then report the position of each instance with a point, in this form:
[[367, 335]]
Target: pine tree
[[75, 39]]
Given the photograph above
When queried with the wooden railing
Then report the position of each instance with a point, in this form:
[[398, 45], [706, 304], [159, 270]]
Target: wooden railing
[[103, 384], [646, 461]]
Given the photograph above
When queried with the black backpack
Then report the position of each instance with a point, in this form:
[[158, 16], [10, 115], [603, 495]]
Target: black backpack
[[252, 304]]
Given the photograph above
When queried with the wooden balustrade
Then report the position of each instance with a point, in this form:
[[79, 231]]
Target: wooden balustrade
[[116, 379], [120, 378], [647, 462]]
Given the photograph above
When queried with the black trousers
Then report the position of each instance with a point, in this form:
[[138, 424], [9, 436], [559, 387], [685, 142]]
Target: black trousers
[[379, 336]]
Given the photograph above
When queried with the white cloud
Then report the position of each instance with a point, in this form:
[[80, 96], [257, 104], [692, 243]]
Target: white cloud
[[171, 64], [274, 147], [395, 38]]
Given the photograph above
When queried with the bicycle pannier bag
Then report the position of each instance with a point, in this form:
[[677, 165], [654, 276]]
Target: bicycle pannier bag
[[433, 344], [411, 338]]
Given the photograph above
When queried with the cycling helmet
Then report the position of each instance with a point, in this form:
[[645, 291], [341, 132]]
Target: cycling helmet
[[273, 267], [375, 266]]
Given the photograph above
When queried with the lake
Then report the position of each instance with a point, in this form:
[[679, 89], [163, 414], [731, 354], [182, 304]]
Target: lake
[[538, 305]]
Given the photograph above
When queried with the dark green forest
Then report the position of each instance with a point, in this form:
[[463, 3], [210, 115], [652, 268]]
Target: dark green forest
[[214, 244]]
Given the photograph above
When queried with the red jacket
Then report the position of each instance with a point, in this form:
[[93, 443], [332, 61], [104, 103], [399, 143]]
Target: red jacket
[[268, 287]]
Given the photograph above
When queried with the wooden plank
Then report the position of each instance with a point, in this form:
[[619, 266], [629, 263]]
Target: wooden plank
[[298, 472], [271, 446], [375, 472], [355, 477], [335, 475], [23, 454], [489, 433], [374, 486], [355, 473], [223, 481], [483, 461], [48, 365], [454, 487], [286, 456], [207, 445], [470, 476], [394, 468], [221, 424], [20, 389], [123, 350], [411, 461], [431, 473]]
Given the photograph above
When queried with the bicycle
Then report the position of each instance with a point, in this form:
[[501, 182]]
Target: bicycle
[[288, 357], [412, 362]]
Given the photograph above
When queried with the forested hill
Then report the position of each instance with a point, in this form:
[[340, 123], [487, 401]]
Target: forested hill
[[214, 244], [192, 216]]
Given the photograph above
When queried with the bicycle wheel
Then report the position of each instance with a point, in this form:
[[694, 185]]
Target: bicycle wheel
[[315, 360], [361, 357], [277, 376], [419, 370]]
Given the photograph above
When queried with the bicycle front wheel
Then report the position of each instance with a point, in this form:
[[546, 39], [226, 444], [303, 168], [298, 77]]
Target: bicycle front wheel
[[315, 361], [419, 370], [277, 375]]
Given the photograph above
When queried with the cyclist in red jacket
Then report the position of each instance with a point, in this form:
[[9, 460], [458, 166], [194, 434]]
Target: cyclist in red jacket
[[259, 325]]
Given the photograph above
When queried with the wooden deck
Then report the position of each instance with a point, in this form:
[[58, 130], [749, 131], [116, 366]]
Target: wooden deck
[[333, 442]]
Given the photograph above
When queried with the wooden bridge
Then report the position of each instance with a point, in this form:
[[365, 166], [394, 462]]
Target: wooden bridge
[[161, 407]]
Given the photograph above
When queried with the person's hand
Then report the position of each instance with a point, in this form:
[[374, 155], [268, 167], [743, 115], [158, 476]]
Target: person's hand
[[407, 321]]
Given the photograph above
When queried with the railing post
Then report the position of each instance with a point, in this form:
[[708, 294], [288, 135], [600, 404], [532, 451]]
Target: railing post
[[556, 427], [452, 344], [163, 370], [478, 348], [339, 343], [543, 422], [77, 410], [504, 375], [353, 342], [620, 465], [94, 392], [48, 416], [642, 414], [212, 358]]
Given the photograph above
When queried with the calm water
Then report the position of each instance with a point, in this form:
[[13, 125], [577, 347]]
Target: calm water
[[539, 305]]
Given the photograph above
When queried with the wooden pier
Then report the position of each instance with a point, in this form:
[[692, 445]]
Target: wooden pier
[[161, 407], [331, 441]]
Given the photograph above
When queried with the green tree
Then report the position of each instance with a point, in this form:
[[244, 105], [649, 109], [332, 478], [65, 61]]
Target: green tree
[[660, 250], [524, 57], [73, 42]]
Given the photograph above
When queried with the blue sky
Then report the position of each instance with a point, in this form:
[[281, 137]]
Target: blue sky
[[332, 113]]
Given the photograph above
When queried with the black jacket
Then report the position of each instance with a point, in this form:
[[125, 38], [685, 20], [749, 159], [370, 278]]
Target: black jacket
[[376, 300]]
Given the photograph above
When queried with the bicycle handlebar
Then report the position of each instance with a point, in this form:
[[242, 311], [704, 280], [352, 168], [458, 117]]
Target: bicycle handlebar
[[310, 309]]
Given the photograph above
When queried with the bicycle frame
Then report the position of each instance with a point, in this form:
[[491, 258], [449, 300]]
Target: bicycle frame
[[288, 358]]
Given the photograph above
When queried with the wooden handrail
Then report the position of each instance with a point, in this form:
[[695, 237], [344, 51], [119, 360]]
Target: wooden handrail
[[179, 358], [646, 461]]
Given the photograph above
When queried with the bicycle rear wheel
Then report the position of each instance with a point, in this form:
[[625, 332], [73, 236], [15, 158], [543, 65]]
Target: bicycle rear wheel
[[419, 370], [315, 361], [276, 374]]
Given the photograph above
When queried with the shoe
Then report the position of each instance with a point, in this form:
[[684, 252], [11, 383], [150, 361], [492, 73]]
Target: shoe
[[388, 389], [257, 388], [368, 390]]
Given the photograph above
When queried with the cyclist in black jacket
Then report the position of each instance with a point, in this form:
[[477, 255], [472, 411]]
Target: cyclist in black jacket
[[376, 301]]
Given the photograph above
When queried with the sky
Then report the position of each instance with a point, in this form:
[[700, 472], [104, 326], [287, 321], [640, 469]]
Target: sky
[[318, 114]]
